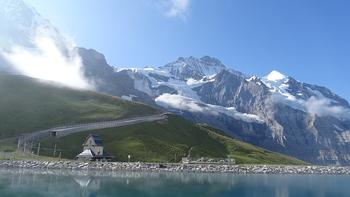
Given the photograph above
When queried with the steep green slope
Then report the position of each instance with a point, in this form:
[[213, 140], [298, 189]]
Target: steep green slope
[[28, 105], [245, 153], [168, 141]]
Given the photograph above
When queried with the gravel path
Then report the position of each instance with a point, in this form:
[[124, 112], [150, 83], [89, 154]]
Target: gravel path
[[68, 130]]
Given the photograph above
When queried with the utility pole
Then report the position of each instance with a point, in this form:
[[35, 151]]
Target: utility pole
[[54, 151], [38, 152], [189, 152], [19, 143], [31, 147], [24, 148]]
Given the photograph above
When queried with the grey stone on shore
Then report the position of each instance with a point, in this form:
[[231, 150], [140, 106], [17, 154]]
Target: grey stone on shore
[[154, 167]]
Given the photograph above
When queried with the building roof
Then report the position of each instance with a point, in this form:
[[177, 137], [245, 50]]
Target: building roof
[[98, 141], [86, 153]]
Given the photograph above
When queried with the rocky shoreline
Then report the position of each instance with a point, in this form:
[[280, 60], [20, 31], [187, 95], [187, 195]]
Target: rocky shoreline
[[153, 167]]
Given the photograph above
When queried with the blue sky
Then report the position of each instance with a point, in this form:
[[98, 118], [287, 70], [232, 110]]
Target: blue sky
[[308, 40]]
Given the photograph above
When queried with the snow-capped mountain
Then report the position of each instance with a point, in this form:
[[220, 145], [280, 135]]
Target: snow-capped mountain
[[275, 111], [193, 68], [301, 95]]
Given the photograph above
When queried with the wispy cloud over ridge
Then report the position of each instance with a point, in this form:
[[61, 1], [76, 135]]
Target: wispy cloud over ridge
[[183, 103], [46, 61], [318, 105], [325, 107], [32, 46]]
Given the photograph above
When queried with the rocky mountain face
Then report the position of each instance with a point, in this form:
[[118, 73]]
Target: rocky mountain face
[[193, 68], [106, 80], [276, 111]]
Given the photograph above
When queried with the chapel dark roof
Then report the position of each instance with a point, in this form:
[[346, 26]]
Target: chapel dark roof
[[96, 138]]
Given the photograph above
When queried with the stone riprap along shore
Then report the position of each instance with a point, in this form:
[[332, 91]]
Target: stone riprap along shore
[[152, 167]]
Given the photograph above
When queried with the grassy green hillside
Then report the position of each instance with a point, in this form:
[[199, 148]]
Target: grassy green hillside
[[167, 142], [28, 105], [247, 153]]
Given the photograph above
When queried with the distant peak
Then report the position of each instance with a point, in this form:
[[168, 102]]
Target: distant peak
[[180, 59], [253, 78], [207, 60], [210, 59], [193, 67], [275, 76]]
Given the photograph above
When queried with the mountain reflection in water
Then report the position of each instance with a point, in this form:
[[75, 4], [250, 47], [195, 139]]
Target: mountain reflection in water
[[21, 182]]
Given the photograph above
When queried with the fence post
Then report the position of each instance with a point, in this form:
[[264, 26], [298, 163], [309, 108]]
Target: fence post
[[54, 151], [19, 143], [31, 147], [38, 152]]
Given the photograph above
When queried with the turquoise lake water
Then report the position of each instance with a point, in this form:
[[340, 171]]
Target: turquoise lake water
[[28, 183]]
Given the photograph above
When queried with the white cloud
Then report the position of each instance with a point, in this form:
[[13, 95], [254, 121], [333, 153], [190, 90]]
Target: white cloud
[[325, 107], [174, 8], [46, 61], [318, 105], [178, 7], [180, 102], [188, 104], [34, 47]]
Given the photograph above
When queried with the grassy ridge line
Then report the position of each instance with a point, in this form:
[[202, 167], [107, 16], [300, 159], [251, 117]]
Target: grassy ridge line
[[29, 105], [168, 142]]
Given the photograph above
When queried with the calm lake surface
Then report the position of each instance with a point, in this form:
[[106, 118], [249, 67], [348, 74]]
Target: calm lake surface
[[19, 182]]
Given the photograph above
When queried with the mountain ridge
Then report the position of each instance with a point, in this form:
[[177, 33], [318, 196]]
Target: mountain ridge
[[29, 104], [221, 99]]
